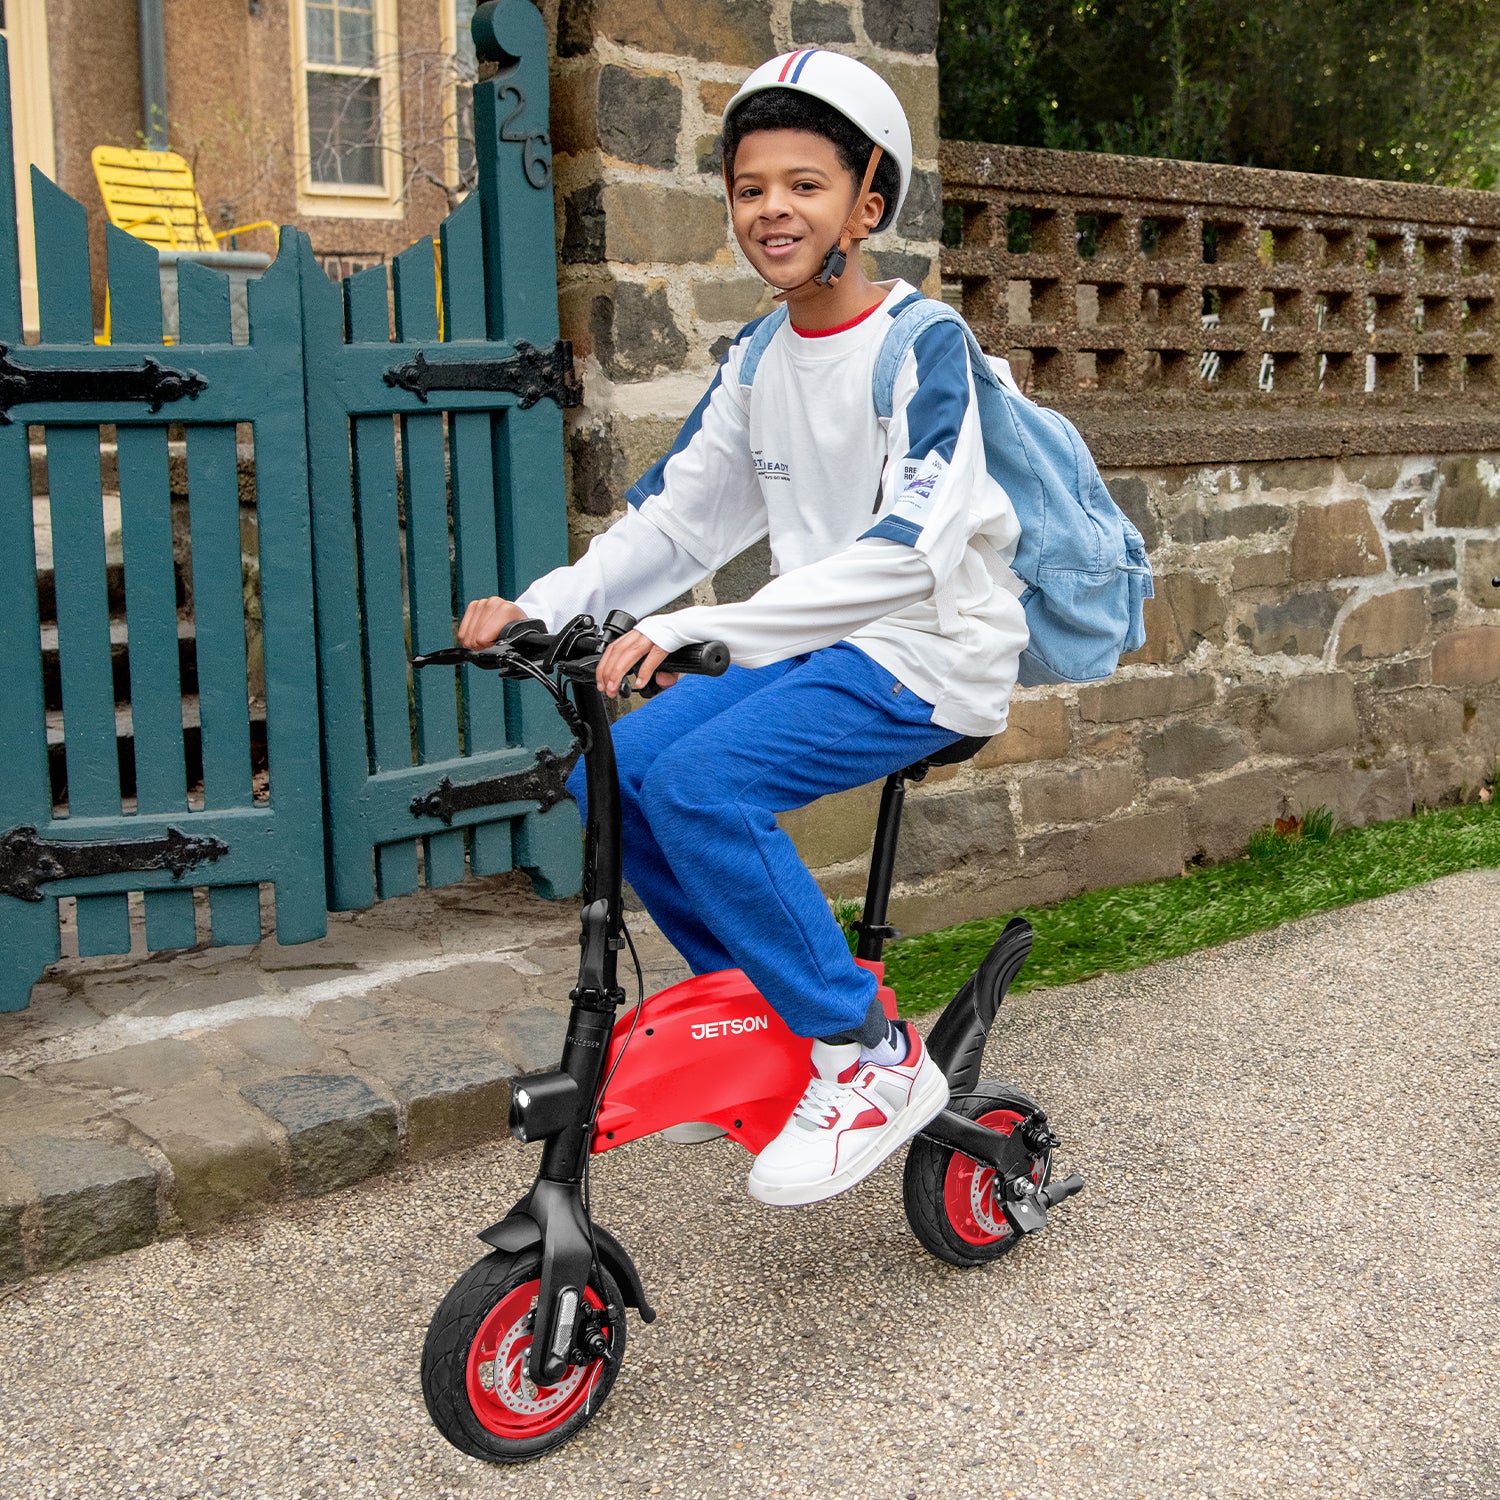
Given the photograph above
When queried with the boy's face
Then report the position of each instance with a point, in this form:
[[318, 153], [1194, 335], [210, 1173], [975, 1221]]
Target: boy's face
[[789, 198]]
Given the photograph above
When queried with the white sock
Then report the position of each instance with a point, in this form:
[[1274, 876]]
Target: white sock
[[890, 1049]]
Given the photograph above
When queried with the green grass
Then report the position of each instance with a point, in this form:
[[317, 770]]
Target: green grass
[[1291, 873]]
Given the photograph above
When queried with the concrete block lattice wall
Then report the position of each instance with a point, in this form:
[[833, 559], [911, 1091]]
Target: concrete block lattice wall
[[651, 287]]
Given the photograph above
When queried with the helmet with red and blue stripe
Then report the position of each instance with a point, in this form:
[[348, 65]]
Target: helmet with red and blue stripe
[[856, 91]]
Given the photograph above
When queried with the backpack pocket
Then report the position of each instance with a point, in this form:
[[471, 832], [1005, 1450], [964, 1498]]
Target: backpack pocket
[[1076, 617]]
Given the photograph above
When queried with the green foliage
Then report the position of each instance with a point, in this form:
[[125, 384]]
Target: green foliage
[[1283, 878], [846, 914], [1266, 844], [1318, 825], [1363, 88], [1314, 826]]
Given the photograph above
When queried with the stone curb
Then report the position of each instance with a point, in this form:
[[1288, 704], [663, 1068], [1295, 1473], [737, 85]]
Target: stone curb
[[200, 1163], [173, 1094]]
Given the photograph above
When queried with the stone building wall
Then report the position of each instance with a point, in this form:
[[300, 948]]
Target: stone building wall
[[1324, 634]]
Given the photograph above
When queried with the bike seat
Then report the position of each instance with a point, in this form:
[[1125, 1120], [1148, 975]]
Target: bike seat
[[955, 754]]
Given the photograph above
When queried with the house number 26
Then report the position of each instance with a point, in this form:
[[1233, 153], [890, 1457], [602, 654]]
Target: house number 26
[[536, 145]]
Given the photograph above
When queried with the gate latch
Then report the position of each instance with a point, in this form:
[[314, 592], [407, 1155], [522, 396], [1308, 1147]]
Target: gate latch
[[543, 782], [28, 861]]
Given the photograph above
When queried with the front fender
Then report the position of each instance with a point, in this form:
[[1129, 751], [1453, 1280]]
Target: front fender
[[518, 1231]]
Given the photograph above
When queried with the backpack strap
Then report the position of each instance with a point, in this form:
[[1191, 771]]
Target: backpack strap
[[765, 329], [909, 319]]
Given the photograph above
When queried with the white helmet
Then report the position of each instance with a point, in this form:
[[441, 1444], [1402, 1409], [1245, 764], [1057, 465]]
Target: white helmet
[[858, 93]]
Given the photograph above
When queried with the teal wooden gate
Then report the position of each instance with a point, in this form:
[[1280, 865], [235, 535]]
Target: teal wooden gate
[[393, 481]]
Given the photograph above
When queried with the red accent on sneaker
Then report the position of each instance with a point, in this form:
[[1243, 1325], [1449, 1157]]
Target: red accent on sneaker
[[847, 1076], [913, 1058], [868, 1117]]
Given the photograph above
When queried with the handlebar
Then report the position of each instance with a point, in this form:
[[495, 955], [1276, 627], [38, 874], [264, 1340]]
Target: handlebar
[[525, 647]]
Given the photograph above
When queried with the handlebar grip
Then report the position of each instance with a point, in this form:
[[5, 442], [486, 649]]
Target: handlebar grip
[[706, 659]]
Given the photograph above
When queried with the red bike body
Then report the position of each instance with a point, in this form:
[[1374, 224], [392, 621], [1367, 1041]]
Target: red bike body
[[710, 1049]]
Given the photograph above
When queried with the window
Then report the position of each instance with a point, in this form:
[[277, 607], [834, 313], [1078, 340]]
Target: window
[[349, 105]]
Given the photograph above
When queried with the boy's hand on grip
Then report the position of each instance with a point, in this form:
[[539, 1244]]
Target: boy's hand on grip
[[483, 621], [632, 651]]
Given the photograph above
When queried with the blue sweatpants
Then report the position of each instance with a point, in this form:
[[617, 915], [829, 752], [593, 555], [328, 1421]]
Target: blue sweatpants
[[704, 769]]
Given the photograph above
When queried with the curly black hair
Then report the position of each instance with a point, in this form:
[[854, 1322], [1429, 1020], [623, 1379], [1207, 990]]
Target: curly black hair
[[791, 109]]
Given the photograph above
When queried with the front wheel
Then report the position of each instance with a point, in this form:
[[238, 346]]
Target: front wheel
[[951, 1200], [473, 1362]]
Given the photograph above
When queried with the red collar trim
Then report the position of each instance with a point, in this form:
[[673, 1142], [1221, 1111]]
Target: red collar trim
[[824, 333]]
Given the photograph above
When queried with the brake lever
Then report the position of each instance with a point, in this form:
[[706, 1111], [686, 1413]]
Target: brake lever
[[445, 656], [490, 659]]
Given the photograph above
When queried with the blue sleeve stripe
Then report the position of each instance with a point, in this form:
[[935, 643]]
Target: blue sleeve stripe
[[654, 480], [936, 413], [895, 529]]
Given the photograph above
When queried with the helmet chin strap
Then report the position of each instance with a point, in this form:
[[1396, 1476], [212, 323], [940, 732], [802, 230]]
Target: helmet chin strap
[[836, 261]]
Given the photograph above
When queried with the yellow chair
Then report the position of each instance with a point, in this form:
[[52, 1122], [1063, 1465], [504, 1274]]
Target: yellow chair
[[152, 195]]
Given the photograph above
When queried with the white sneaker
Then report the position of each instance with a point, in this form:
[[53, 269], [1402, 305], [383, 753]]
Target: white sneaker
[[851, 1118]]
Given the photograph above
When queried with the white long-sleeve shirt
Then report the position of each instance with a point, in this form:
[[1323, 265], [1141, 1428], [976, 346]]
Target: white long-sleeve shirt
[[887, 533]]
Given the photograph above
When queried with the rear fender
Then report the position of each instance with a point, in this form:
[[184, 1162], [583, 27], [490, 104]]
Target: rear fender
[[957, 1041], [711, 1049]]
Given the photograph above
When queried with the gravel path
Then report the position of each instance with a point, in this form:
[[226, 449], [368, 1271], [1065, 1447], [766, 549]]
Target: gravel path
[[1283, 1279]]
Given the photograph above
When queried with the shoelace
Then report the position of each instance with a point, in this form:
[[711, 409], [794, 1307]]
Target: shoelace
[[821, 1099]]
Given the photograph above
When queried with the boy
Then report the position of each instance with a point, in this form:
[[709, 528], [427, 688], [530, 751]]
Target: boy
[[882, 637]]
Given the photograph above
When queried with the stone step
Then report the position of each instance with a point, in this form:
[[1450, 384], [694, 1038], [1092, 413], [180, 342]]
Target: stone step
[[119, 658], [192, 744], [109, 469]]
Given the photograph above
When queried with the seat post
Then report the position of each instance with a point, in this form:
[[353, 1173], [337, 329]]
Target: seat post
[[872, 926]]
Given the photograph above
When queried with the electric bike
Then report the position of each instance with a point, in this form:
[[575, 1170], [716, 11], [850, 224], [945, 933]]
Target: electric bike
[[523, 1350]]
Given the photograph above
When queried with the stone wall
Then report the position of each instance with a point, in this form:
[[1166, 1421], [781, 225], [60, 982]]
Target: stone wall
[[652, 288], [1323, 635], [1320, 634]]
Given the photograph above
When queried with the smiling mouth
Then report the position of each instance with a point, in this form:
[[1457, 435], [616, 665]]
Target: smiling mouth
[[780, 246]]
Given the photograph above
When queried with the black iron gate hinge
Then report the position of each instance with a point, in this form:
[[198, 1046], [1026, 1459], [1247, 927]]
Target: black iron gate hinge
[[28, 861], [150, 381], [543, 782], [529, 373]]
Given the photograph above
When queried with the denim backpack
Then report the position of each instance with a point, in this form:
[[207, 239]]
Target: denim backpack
[[1080, 558]]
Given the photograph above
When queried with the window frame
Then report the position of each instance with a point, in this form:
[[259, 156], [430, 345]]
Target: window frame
[[451, 137], [33, 129], [351, 199]]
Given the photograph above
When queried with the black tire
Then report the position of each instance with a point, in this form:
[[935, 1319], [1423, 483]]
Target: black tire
[[481, 1405], [949, 1197]]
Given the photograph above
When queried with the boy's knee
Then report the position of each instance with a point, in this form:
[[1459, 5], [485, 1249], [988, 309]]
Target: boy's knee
[[680, 780]]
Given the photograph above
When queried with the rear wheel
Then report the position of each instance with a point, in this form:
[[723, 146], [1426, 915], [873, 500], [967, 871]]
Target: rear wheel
[[953, 1203], [473, 1363]]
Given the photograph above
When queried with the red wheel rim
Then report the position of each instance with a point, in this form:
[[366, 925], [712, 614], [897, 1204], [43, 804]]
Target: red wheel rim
[[505, 1403], [969, 1189]]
